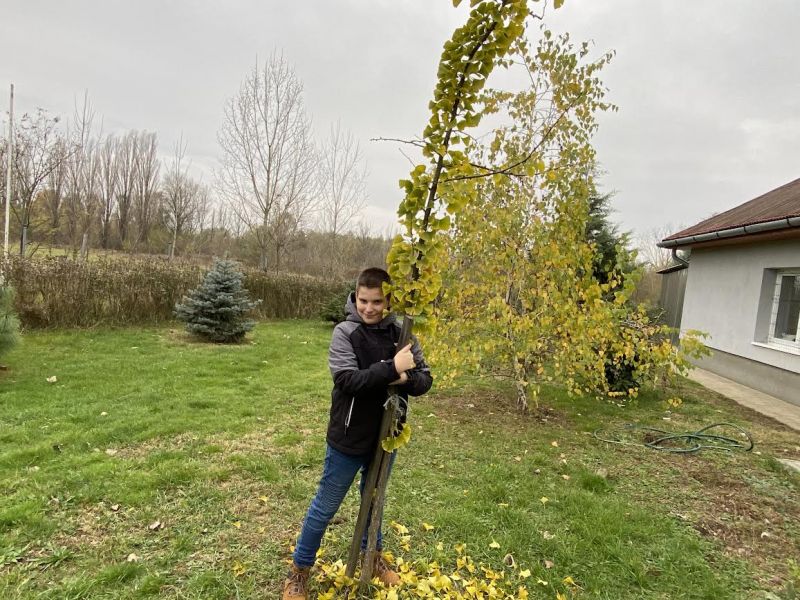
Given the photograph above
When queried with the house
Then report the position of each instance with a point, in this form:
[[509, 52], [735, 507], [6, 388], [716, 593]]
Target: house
[[737, 278]]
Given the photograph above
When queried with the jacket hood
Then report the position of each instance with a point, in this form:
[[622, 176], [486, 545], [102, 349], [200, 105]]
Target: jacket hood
[[352, 313]]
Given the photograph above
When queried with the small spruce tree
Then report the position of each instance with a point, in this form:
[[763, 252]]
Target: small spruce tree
[[9, 323], [216, 310]]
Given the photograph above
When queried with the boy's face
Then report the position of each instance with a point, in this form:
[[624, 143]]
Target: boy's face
[[370, 304]]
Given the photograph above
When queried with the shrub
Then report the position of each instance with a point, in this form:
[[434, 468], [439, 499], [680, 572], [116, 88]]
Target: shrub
[[333, 309], [58, 292], [216, 310], [9, 324]]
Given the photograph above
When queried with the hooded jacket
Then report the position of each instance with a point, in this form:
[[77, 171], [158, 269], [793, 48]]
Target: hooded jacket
[[361, 363]]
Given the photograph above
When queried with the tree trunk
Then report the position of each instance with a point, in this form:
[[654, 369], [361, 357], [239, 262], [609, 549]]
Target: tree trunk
[[85, 246]]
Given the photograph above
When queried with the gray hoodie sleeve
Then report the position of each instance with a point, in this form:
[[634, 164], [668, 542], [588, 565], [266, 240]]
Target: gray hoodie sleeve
[[343, 364]]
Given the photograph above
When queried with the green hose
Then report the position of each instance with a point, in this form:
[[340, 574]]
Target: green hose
[[659, 439]]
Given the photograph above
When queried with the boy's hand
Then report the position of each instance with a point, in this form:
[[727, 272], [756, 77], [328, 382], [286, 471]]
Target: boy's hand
[[401, 380], [404, 360]]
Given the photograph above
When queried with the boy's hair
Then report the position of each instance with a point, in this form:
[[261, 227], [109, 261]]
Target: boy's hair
[[374, 277]]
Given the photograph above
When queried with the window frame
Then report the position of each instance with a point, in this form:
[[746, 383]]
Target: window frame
[[771, 339]]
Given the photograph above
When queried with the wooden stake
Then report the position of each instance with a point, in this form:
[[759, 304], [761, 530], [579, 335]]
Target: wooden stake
[[375, 488]]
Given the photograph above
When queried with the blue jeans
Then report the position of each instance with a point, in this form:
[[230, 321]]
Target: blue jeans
[[337, 477]]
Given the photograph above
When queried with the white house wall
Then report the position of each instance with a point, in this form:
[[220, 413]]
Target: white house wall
[[722, 297]]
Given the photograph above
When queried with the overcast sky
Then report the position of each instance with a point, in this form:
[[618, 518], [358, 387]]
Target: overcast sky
[[708, 91]]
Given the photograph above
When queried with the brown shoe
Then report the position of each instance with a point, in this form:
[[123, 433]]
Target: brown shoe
[[384, 572], [296, 585]]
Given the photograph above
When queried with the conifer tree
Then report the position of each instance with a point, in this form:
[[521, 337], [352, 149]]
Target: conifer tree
[[217, 309]]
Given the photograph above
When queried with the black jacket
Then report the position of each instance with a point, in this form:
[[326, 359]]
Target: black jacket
[[361, 363]]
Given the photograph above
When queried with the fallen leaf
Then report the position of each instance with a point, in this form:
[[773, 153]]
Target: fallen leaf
[[155, 526], [518, 458], [428, 527], [52, 379], [548, 564], [238, 569], [115, 507], [132, 557], [502, 504], [547, 535], [568, 580], [508, 560], [554, 444], [541, 582], [494, 544], [401, 529], [565, 477], [544, 500], [111, 451], [104, 414], [525, 574], [263, 499], [237, 524]]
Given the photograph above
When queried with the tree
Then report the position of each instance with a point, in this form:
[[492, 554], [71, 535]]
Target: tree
[[415, 258], [145, 184], [342, 187], [38, 151], [217, 309], [127, 165], [82, 171], [648, 250], [181, 196], [525, 297], [54, 197], [108, 179], [610, 246], [267, 171]]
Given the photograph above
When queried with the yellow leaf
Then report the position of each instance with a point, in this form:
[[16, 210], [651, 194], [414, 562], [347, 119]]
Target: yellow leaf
[[568, 580], [401, 529], [494, 544], [237, 524], [544, 500], [525, 574], [542, 582], [428, 527]]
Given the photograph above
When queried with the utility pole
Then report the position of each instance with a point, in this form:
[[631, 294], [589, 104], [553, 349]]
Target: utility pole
[[10, 156]]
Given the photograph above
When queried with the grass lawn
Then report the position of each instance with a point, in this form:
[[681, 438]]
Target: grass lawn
[[158, 467]]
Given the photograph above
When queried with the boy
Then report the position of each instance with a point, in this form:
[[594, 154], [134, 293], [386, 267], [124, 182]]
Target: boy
[[363, 364]]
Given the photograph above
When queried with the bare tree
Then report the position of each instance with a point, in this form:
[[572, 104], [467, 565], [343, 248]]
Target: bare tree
[[55, 189], [108, 173], [127, 160], [38, 151], [342, 188], [146, 185], [267, 171], [181, 196], [82, 172], [649, 252]]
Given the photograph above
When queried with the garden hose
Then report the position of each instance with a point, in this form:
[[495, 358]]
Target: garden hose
[[681, 443]]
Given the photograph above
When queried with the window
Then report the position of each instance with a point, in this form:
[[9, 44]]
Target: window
[[783, 326]]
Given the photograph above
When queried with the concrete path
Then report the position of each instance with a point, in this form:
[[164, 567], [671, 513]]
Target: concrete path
[[788, 414]]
